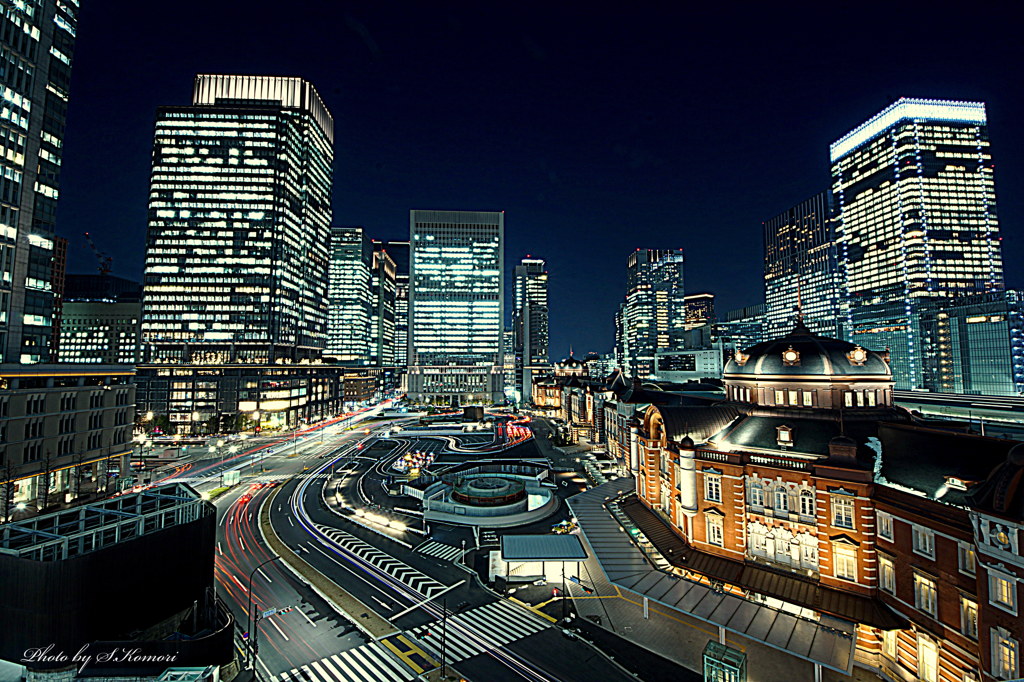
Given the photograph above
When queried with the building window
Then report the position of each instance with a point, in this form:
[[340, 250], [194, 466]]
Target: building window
[[756, 494], [846, 562], [967, 559], [807, 503], [969, 617], [884, 526], [925, 595], [808, 399], [842, 511], [714, 527], [794, 397], [890, 639], [781, 499], [784, 436], [1004, 654], [780, 397], [924, 541], [848, 398], [927, 660], [712, 488], [1002, 592], [887, 576]]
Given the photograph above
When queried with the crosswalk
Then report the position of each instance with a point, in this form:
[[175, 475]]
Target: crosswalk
[[418, 581], [367, 662], [492, 626], [439, 550]]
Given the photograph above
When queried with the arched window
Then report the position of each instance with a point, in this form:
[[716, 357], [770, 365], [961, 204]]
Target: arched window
[[781, 498], [807, 503], [756, 493]]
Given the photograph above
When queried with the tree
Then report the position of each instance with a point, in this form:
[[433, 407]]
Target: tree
[[46, 480], [76, 476]]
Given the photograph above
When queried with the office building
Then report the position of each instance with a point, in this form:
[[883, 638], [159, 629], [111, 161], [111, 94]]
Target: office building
[[738, 329], [914, 194], [37, 41], [700, 309], [350, 304], [530, 324], [654, 315], [399, 252], [101, 320], [801, 270], [239, 216], [456, 303], [383, 274]]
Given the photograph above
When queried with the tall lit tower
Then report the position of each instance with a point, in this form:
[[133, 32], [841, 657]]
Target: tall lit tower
[[529, 323], [915, 197], [37, 40], [399, 252], [239, 215], [350, 300], [456, 299], [801, 269], [654, 315]]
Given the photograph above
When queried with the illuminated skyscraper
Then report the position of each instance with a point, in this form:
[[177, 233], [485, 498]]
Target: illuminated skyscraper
[[382, 308], [530, 323], [700, 309], [654, 315], [350, 306], [801, 269], [239, 215], [456, 299], [37, 40], [399, 252], [914, 191]]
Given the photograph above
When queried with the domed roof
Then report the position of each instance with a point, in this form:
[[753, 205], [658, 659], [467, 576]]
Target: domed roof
[[570, 362], [1003, 490], [803, 353]]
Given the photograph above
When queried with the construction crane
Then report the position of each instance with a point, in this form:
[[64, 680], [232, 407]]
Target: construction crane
[[102, 258]]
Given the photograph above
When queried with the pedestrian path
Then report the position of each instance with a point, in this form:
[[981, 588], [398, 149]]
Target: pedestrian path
[[439, 550], [370, 661], [479, 630], [417, 580]]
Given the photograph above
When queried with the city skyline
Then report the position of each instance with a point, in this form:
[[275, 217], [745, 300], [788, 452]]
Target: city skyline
[[595, 153]]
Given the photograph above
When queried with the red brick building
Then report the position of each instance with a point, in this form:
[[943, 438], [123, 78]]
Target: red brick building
[[809, 491]]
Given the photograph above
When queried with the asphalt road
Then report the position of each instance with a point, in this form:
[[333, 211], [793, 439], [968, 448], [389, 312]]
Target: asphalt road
[[485, 637]]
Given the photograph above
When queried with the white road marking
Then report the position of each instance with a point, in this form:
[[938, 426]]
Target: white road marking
[[274, 623]]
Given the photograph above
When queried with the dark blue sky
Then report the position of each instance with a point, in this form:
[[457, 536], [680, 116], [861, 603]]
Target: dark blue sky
[[597, 132]]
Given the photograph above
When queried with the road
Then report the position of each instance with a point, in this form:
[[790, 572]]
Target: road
[[485, 637]]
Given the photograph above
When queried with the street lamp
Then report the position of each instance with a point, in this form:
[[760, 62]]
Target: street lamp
[[253, 646]]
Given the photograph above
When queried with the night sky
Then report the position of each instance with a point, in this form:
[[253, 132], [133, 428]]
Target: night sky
[[596, 132]]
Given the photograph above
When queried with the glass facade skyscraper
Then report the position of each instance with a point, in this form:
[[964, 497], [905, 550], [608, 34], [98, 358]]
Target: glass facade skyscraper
[[456, 302], [914, 192], [529, 322], [37, 40], [654, 315], [399, 252], [801, 269], [239, 215], [382, 311], [349, 320]]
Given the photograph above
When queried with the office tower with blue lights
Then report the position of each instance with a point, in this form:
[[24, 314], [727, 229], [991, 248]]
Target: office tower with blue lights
[[456, 303], [529, 323], [239, 214], [801, 269], [37, 40], [350, 304], [653, 317], [915, 201]]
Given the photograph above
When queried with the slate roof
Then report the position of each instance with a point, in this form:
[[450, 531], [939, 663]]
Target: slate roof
[[819, 356], [699, 422]]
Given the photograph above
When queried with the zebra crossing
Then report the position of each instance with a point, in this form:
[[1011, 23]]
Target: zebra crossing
[[418, 581], [492, 626], [367, 662], [439, 550]]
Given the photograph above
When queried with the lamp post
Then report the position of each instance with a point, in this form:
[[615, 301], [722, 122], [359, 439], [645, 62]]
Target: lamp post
[[253, 647]]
